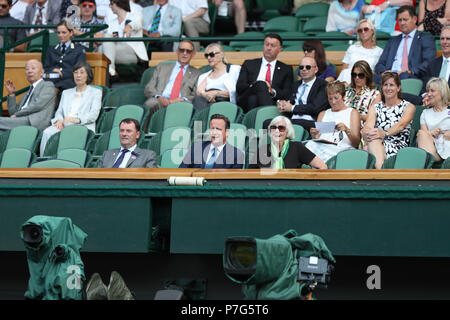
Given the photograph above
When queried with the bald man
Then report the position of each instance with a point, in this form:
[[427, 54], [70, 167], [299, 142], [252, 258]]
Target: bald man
[[37, 105]]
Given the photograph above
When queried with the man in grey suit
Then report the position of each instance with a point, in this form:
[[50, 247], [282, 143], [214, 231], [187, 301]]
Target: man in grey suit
[[160, 20], [36, 107], [128, 155], [43, 12], [172, 82]]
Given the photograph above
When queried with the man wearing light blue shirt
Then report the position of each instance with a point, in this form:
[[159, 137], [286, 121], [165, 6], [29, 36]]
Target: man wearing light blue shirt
[[164, 88]]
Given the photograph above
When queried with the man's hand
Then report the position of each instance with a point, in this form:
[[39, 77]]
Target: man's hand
[[165, 102], [59, 125], [175, 100], [127, 30], [284, 106], [10, 87]]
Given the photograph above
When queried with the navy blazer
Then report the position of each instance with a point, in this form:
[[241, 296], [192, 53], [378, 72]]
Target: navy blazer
[[55, 59], [422, 51], [281, 80], [316, 102], [229, 158], [433, 70]]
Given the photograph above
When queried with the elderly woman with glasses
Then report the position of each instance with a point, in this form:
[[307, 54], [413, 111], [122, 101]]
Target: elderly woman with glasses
[[364, 49], [282, 152], [345, 133], [388, 123], [314, 48], [434, 133], [362, 92], [218, 84]]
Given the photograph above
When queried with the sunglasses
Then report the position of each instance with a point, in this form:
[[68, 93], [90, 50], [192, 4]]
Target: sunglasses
[[359, 75], [280, 128], [211, 54], [87, 4], [185, 50], [366, 29], [308, 49], [4, 6], [308, 67]]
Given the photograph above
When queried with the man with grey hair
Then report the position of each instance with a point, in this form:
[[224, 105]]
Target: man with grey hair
[[440, 67]]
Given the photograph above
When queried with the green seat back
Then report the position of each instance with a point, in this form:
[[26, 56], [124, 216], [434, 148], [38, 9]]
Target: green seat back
[[446, 164], [354, 159], [133, 94], [264, 113], [228, 109], [113, 139], [73, 137], [272, 8], [413, 158], [147, 76], [249, 34], [16, 158], [172, 158], [253, 48], [175, 137], [23, 137], [415, 126], [55, 163], [128, 111], [178, 114], [279, 24], [237, 136], [315, 25], [75, 155], [412, 86], [310, 10], [300, 133]]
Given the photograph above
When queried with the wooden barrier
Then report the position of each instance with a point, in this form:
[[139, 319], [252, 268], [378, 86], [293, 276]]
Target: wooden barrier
[[15, 68]]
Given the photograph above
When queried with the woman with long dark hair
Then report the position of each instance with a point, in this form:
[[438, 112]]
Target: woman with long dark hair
[[314, 48]]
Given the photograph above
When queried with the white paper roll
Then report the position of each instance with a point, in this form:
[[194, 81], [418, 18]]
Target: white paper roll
[[186, 181]]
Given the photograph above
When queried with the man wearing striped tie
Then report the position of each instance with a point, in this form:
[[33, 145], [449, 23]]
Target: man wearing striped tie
[[162, 20]]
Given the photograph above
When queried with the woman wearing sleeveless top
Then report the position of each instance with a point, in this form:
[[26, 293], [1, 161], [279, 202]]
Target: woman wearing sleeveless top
[[218, 84], [433, 15], [346, 133]]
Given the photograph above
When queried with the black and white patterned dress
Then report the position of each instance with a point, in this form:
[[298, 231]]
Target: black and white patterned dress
[[388, 117]]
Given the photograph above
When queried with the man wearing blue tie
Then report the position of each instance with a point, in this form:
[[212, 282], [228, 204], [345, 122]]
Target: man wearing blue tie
[[216, 153], [308, 97], [162, 20]]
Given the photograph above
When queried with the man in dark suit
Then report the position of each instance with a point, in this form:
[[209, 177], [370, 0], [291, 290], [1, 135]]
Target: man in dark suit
[[36, 107], [440, 67], [308, 96], [43, 12], [216, 153], [410, 61], [128, 155], [263, 81]]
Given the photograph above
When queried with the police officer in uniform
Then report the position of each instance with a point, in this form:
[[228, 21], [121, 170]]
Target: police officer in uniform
[[61, 58]]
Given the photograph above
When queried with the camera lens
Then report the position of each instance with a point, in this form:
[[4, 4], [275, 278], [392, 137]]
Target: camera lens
[[32, 235], [242, 255]]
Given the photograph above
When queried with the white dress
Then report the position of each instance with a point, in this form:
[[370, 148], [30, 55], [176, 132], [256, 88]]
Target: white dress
[[433, 120], [325, 151], [355, 53]]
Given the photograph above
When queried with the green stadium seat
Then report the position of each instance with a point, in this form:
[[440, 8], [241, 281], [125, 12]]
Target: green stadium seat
[[177, 114], [79, 156], [415, 126], [280, 24], [172, 158], [173, 137], [26, 137], [113, 117], [252, 48], [16, 158], [55, 163], [300, 133], [70, 137], [272, 8], [237, 45], [314, 25], [147, 76], [446, 164], [354, 159], [412, 86], [409, 158]]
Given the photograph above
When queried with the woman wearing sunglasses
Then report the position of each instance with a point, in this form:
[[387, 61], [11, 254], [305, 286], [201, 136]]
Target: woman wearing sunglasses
[[434, 133], [314, 48], [388, 123], [362, 92], [218, 84], [347, 125], [282, 152], [364, 49]]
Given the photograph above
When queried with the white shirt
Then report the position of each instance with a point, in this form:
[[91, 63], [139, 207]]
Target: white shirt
[[397, 64], [102, 7], [218, 151], [303, 100], [29, 98], [168, 89], [263, 69], [189, 6], [18, 10], [126, 157]]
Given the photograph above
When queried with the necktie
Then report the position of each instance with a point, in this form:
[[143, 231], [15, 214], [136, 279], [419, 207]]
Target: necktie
[[268, 74], [120, 159], [302, 91], [28, 95], [63, 48], [212, 160], [177, 85], [156, 20], [39, 16], [405, 55], [443, 73]]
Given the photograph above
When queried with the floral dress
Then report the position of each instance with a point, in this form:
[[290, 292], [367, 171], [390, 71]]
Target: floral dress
[[430, 19], [388, 117], [360, 101]]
